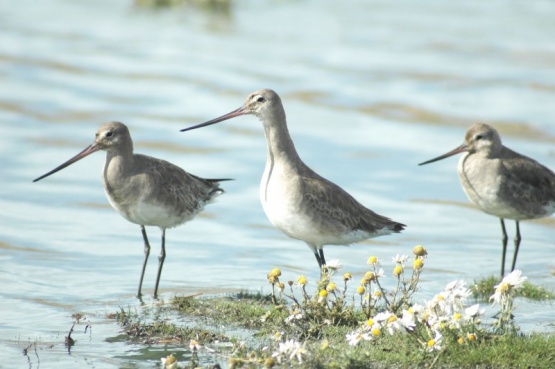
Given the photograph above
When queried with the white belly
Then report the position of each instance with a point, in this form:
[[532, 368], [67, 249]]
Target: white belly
[[281, 200], [481, 185], [150, 214]]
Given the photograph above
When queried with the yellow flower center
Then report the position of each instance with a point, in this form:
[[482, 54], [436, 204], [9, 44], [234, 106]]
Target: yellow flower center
[[431, 343], [457, 316], [376, 332], [460, 341], [370, 322], [503, 287], [323, 293], [170, 359], [369, 275], [347, 276], [378, 294], [391, 319], [440, 297], [302, 280], [372, 260], [419, 250], [275, 272], [471, 337], [331, 287], [397, 270], [418, 264], [360, 290]]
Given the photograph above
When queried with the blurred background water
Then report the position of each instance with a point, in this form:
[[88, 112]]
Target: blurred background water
[[371, 88]]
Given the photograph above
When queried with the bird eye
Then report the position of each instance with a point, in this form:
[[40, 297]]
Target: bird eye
[[479, 137], [260, 99], [109, 134]]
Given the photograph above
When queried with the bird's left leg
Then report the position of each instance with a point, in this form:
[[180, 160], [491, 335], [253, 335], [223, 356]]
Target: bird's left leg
[[517, 244], [161, 259]]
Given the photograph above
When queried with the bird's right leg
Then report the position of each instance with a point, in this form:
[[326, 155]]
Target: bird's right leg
[[319, 256], [147, 252], [322, 258], [504, 240]]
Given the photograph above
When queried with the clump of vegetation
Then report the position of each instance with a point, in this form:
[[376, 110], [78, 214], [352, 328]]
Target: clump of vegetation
[[142, 328], [344, 323], [481, 290]]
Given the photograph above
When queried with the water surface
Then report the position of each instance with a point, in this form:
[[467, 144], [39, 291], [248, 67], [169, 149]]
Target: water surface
[[370, 88]]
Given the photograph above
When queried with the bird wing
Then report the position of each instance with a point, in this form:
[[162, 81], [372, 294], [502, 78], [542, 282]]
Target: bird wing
[[525, 178], [332, 206], [186, 192]]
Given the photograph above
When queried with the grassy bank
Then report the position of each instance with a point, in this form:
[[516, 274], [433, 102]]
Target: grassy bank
[[340, 323]]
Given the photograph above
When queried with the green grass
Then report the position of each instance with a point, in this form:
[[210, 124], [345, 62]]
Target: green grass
[[329, 349], [399, 351], [146, 329], [292, 324], [482, 290], [242, 310]]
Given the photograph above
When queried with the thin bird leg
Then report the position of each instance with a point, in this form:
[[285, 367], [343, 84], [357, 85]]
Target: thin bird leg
[[161, 259], [323, 269], [318, 259], [147, 252], [504, 240], [517, 244], [322, 258]]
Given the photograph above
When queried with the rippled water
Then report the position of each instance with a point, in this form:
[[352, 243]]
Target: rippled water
[[371, 88]]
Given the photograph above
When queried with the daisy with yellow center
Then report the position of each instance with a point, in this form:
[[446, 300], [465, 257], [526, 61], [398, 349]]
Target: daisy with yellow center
[[435, 343], [302, 281], [369, 276], [505, 289], [420, 251]]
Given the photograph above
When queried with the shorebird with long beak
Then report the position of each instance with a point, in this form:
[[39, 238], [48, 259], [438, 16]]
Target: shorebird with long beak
[[297, 200], [502, 182], [145, 190]]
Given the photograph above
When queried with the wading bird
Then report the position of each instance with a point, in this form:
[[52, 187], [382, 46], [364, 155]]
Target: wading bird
[[297, 200], [502, 182], [145, 190]]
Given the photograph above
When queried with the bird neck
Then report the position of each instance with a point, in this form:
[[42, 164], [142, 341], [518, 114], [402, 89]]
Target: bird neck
[[117, 165], [279, 142]]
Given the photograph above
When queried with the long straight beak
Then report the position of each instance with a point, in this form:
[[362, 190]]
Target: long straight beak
[[458, 150], [86, 152], [233, 114]]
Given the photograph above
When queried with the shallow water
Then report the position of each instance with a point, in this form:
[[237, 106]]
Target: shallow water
[[370, 89]]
